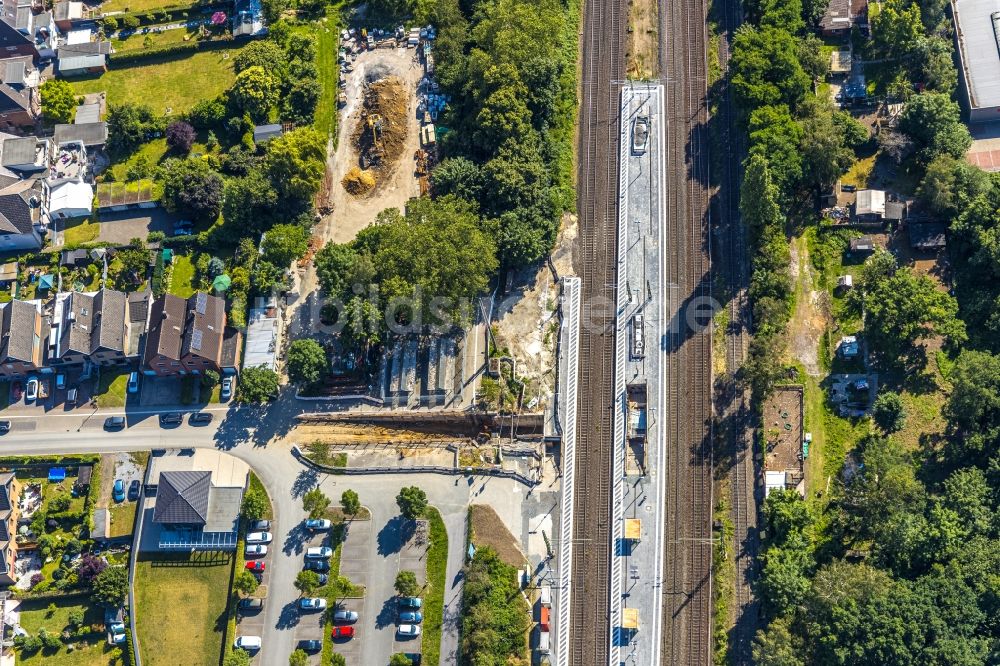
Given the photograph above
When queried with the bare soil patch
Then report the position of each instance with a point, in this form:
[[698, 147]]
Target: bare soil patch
[[381, 131], [812, 311], [643, 39], [489, 530]]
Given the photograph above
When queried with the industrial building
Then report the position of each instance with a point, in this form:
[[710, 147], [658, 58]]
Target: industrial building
[[977, 37]]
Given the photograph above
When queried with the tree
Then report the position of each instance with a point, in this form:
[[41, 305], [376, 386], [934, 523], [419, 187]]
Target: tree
[[130, 22], [284, 243], [896, 29], [823, 147], [301, 100], [814, 59], [950, 185], [315, 502], [334, 264], [273, 10], [362, 324], [110, 587], [766, 68], [264, 53], [254, 505], [210, 379], [888, 412], [307, 582], [76, 618], [775, 137], [350, 502], [110, 24], [458, 176], [245, 582], [209, 113], [90, 567], [237, 657], [255, 92], [192, 189], [295, 163], [412, 501], [249, 204], [973, 408], [307, 362], [934, 123], [901, 307], [180, 136], [406, 584], [338, 660], [298, 658], [58, 101], [128, 126], [400, 659], [257, 384]]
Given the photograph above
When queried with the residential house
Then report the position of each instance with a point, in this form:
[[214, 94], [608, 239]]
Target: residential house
[[836, 20], [91, 135], [74, 258], [20, 103], [869, 206], [21, 219], [68, 192], [138, 319], [68, 15], [197, 502], [23, 330], [23, 156], [84, 58], [976, 29], [12, 41], [186, 337], [92, 328], [10, 494]]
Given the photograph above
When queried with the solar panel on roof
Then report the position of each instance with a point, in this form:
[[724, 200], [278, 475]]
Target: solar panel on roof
[[196, 339], [201, 302]]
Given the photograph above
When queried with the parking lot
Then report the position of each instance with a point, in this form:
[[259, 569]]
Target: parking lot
[[56, 398]]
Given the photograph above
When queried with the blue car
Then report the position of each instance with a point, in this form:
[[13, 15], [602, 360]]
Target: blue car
[[411, 617], [410, 602], [119, 492]]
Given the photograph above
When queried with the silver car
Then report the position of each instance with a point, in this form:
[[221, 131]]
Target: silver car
[[640, 134], [345, 616]]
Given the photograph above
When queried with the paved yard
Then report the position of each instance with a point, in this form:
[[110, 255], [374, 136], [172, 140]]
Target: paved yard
[[120, 228], [355, 564], [158, 391]]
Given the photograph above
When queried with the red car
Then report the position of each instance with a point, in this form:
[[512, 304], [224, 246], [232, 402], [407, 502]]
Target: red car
[[342, 632], [256, 566]]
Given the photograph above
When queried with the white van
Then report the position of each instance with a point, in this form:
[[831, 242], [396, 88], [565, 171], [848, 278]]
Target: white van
[[543, 642], [545, 595]]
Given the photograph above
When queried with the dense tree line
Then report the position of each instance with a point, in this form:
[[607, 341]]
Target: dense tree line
[[495, 616], [500, 64]]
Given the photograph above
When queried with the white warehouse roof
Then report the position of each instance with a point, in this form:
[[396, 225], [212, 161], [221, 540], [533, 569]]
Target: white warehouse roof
[[977, 24]]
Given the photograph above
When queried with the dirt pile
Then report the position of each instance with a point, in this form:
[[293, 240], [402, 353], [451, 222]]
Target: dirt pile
[[380, 134], [358, 182]]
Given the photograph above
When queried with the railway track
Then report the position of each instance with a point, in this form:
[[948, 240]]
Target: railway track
[[735, 409], [601, 69], [687, 575]]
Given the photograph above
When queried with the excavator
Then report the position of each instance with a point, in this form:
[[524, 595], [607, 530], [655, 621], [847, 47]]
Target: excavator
[[374, 122]]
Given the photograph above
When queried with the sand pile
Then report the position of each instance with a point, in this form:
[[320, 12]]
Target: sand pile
[[358, 182]]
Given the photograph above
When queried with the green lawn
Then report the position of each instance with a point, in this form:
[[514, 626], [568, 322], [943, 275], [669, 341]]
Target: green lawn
[[112, 389], [91, 650], [80, 230], [182, 276], [176, 84], [328, 41], [138, 41], [122, 519], [181, 603], [437, 563], [138, 6]]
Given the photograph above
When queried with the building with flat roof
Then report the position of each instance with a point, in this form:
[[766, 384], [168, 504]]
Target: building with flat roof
[[977, 37]]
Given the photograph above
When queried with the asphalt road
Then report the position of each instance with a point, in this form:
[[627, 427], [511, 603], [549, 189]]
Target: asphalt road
[[243, 432]]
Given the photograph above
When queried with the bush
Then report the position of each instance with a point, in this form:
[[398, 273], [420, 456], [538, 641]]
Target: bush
[[180, 136], [110, 24], [130, 22]]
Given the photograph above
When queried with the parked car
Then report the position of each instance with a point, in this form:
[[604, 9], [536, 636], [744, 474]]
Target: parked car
[[133, 382], [848, 188], [316, 524], [227, 389], [312, 645], [133, 490], [319, 552], [32, 391], [323, 578], [408, 630], [251, 604], [344, 633], [114, 423], [4, 426], [171, 418], [119, 490], [200, 418], [248, 643], [256, 550], [60, 381], [117, 631], [260, 526], [256, 566], [317, 565], [312, 604], [640, 134], [344, 615], [411, 602], [259, 537], [411, 617]]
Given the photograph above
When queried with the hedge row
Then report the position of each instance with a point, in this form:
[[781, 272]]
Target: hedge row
[[170, 51], [29, 462], [174, 13]]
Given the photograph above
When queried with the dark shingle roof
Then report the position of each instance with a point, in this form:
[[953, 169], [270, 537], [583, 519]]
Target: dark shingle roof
[[205, 326], [109, 320], [166, 327], [182, 498], [5, 479], [10, 37], [230, 348], [138, 306], [84, 49], [15, 215], [78, 323], [19, 320]]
